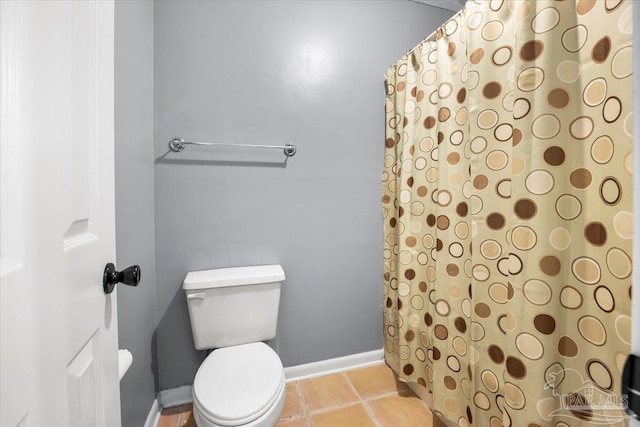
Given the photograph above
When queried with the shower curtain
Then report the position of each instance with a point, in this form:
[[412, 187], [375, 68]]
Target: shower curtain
[[507, 205]]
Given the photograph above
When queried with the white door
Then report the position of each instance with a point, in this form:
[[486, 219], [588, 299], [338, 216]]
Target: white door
[[58, 337]]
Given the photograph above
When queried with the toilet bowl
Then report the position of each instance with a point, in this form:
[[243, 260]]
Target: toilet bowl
[[241, 385], [233, 310]]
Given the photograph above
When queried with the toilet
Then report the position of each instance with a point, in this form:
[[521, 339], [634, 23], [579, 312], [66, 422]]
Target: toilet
[[232, 311]]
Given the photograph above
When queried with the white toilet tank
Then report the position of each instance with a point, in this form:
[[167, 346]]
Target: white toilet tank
[[231, 306]]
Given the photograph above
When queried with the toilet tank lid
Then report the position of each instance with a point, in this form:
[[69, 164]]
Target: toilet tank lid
[[237, 276]]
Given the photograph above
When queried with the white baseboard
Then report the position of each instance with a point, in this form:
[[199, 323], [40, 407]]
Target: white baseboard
[[332, 366], [154, 415], [176, 396]]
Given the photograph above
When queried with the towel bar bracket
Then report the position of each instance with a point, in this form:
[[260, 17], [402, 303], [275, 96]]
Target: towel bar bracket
[[176, 144]]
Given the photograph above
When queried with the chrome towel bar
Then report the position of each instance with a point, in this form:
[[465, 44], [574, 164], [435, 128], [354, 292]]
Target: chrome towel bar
[[177, 145]]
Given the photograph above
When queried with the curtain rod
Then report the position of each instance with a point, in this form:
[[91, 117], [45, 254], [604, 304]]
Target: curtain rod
[[430, 36]]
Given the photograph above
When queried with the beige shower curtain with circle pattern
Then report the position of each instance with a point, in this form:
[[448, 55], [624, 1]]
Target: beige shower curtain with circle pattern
[[507, 197]]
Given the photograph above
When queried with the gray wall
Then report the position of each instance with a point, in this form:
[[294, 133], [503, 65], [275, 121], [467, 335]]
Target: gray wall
[[269, 73], [134, 203]]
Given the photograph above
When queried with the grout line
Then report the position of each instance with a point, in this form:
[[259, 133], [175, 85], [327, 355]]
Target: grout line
[[303, 401], [295, 395], [183, 418], [301, 397], [367, 409], [372, 415], [183, 408], [352, 386], [383, 395], [334, 408]]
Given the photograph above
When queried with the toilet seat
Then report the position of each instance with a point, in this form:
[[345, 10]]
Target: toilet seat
[[236, 385]]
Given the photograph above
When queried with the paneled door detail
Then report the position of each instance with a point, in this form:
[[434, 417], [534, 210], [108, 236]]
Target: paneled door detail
[[58, 336]]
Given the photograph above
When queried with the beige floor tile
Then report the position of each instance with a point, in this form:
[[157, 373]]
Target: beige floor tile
[[350, 416], [293, 407], [403, 409], [333, 403], [170, 417], [326, 392], [302, 422], [375, 381], [188, 419]]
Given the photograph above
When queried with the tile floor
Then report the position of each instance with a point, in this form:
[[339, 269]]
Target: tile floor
[[367, 397]]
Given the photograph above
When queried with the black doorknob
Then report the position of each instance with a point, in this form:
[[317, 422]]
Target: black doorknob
[[129, 276]]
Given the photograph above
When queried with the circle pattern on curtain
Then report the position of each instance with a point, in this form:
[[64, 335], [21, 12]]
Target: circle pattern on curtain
[[507, 206]]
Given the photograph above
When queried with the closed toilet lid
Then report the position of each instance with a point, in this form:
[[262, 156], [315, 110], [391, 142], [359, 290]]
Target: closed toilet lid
[[235, 385]]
